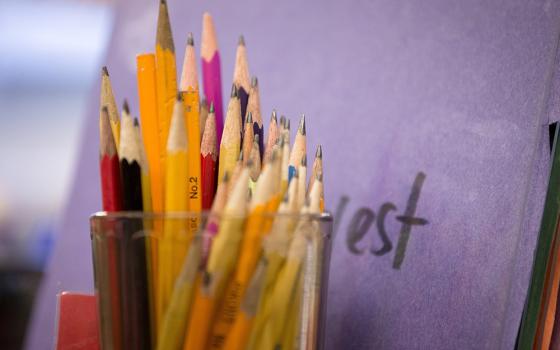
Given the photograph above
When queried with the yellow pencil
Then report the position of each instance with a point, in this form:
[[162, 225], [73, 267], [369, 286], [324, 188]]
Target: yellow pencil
[[174, 240], [108, 100], [189, 89], [241, 329], [174, 324], [221, 263], [166, 77], [230, 145], [248, 258]]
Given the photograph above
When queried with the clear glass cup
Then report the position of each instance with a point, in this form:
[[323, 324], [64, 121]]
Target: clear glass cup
[[140, 257]]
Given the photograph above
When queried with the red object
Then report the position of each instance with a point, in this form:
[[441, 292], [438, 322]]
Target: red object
[[208, 175], [77, 322], [111, 182]]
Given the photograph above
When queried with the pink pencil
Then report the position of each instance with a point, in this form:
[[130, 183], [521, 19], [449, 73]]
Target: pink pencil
[[211, 71]]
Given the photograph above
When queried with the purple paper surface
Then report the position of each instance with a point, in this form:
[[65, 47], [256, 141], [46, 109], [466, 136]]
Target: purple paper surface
[[457, 90]]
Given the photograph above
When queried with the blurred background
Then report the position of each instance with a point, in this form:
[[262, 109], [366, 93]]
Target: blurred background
[[50, 54]]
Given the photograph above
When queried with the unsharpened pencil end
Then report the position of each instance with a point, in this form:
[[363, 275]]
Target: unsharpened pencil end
[[125, 107]]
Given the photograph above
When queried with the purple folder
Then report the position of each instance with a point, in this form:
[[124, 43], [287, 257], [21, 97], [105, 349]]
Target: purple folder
[[433, 116]]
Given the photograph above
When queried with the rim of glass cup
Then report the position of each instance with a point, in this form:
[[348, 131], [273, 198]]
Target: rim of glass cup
[[101, 215]]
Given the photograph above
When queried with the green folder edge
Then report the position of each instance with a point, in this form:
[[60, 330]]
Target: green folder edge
[[549, 223]]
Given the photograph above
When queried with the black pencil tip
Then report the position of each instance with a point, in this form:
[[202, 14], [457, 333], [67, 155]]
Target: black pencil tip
[[211, 110], [254, 81], [287, 124], [241, 40], [319, 152], [273, 117], [282, 121], [105, 71], [249, 118], [105, 109], [233, 91], [179, 96], [190, 40], [301, 128], [125, 107], [304, 160], [257, 138], [136, 123]]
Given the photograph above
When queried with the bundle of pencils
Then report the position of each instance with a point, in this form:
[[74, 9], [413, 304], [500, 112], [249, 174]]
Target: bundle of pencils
[[229, 275]]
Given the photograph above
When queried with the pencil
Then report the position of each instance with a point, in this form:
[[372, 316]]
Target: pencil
[[146, 76], [241, 77], [189, 89], [109, 165], [302, 182], [203, 115], [221, 264], [209, 157], [129, 156], [133, 254], [272, 137], [108, 100], [248, 258], [235, 174], [177, 315], [255, 158], [166, 77], [275, 246], [144, 169], [231, 138], [111, 331], [241, 329], [211, 70], [254, 107], [173, 243], [317, 171], [298, 150], [213, 223], [248, 138], [285, 147]]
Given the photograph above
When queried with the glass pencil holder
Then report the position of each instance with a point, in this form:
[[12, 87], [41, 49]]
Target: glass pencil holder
[[202, 281]]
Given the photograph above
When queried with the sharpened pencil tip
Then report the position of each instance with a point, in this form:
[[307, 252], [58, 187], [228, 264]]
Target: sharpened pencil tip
[[282, 121], [304, 160], [233, 91], [104, 71], [256, 139], [125, 107], [179, 96], [136, 123], [319, 177], [241, 40], [163, 2], [249, 118], [211, 110], [301, 128], [319, 152], [273, 117], [105, 109], [287, 126], [254, 81], [190, 40]]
